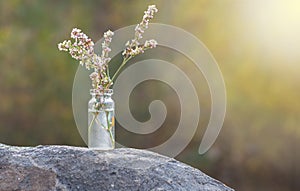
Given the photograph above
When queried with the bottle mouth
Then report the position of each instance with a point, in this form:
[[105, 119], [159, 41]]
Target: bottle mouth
[[101, 92]]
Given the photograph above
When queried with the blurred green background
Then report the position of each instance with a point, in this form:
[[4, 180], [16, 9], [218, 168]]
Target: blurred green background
[[256, 44]]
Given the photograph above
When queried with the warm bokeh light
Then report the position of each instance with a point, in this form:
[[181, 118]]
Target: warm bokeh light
[[274, 25], [256, 44]]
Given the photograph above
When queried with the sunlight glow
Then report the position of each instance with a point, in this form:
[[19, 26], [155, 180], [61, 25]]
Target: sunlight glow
[[275, 26]]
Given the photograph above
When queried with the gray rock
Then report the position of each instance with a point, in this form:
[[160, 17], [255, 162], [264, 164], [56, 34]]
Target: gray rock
[[74, 168]]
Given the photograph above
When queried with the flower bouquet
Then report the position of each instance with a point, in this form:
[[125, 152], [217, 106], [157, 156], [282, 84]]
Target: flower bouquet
[[101, 126]]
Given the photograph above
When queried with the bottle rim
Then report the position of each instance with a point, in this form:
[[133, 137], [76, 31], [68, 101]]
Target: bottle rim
[[101, 92]]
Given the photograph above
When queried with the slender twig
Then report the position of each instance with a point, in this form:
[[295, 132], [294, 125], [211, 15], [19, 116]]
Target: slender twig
[[107, 122], [111, 137], [95, 116], [107, 71], [108, 128], [125, 60]]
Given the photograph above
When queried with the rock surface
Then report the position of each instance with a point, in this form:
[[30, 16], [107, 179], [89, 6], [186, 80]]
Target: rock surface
[[75, 168]]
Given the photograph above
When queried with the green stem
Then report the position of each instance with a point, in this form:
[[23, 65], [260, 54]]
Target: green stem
[[93, 120], [107, 122], [111, 137], [108, 128], [119, 69], [107, 71]]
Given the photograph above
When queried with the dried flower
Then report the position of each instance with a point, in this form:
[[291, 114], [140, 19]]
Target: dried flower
[[105, 46], [82, 49], [150, 44], [133, 47]]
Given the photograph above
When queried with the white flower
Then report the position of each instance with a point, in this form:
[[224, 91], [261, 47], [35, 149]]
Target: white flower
[[105, 46], [108, 34], [150, 43], [133, 47], [75, 33], [94, 76], [64, 46], [81, 48]]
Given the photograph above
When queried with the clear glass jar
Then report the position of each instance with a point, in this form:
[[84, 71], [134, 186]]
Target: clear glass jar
[[101, 120]]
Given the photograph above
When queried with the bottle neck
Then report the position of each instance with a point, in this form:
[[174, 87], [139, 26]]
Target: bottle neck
[[107, 93]]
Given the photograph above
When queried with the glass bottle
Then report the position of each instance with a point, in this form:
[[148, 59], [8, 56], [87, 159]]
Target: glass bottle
[[101, 125]]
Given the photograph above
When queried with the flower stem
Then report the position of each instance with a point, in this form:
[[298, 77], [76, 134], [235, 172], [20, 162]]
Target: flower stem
[[125, 60], [93, 120], [107, 121], [111, 137], [107, 71], [109, 127]]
